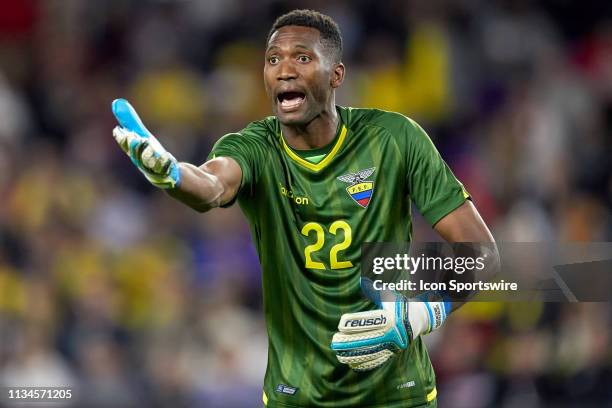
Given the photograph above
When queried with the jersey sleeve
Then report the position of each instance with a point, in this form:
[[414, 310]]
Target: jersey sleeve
[[245, 147], [431, 184]]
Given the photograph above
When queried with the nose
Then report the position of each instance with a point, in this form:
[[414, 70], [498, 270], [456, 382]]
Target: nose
[[286, 70]]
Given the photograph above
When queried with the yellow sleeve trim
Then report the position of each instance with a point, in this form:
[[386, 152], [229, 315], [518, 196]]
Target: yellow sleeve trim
[[431, 396], [328, 157], [264, 398]]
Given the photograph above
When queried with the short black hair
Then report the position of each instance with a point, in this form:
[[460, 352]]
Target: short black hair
[[327, 27]]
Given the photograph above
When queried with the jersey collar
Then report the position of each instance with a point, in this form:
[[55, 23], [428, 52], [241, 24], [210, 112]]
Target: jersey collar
[[328, 157]]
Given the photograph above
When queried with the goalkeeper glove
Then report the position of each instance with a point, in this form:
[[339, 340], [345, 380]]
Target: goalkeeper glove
[[145, 151], [366, 340]]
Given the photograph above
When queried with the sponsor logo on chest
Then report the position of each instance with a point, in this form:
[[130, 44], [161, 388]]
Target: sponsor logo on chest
[[297, 199]]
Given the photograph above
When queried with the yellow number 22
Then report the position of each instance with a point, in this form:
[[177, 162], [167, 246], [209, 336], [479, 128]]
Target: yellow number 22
[[320, 241]]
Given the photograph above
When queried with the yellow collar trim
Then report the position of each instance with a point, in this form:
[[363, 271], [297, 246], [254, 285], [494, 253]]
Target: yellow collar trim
[[328, 157]]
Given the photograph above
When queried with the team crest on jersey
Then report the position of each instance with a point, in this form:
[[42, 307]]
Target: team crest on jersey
[[360, 189]]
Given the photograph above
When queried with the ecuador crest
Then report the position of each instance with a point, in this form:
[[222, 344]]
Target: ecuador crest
[[360, 189]]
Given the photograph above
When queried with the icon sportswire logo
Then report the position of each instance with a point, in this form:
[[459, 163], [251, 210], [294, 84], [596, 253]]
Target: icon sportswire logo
[[360, 188]]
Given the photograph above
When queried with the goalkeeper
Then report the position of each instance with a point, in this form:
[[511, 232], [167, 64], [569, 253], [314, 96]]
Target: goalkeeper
[[316, 181]]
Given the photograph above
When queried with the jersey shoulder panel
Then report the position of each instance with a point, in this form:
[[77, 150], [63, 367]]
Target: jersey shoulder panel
[[260, 131], [402, 129], [250, 148], [394, 122]]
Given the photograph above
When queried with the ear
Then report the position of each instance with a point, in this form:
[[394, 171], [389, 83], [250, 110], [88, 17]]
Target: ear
[[337, 76]]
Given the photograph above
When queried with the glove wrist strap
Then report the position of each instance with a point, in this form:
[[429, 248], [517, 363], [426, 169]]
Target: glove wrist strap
[[425, 317], [418, 318]]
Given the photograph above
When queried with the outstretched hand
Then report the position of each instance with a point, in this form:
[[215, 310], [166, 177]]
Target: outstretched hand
[[145, 151]]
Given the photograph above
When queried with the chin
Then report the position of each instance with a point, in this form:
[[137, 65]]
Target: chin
[[291, 119]]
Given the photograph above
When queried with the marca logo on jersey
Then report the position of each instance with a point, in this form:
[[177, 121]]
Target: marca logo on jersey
[[299, 200], [360, 189], [286, 389]]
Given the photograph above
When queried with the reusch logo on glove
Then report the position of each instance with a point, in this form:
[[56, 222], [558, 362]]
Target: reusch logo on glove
[[366, 322]]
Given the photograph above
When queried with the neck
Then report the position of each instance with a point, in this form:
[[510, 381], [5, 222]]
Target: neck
[[317, 133]]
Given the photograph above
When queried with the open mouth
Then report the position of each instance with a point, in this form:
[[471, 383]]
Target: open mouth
[[290, 100]]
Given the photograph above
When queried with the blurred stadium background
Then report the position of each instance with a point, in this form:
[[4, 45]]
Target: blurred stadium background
[[517, 95]]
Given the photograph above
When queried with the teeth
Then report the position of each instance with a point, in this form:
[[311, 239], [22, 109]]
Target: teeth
[[291, 103]]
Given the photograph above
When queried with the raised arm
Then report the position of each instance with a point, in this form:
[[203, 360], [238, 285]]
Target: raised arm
[[211, 185]]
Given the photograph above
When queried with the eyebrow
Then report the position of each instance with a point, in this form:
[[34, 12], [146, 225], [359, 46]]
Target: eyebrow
[[276, 47]]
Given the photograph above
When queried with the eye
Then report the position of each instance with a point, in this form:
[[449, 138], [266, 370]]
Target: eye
[[273, 60], [304, 58]]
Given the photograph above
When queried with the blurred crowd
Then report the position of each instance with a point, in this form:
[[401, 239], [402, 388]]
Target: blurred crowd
[[111, 287]]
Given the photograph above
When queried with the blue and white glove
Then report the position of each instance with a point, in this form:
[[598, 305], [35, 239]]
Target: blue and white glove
[[366, 340], [145, 151]]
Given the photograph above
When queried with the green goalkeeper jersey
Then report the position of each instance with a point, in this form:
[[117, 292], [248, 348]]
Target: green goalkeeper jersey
[[308, 219]]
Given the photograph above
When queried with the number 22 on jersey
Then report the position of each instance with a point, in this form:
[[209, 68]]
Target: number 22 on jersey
[[319, 235]]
